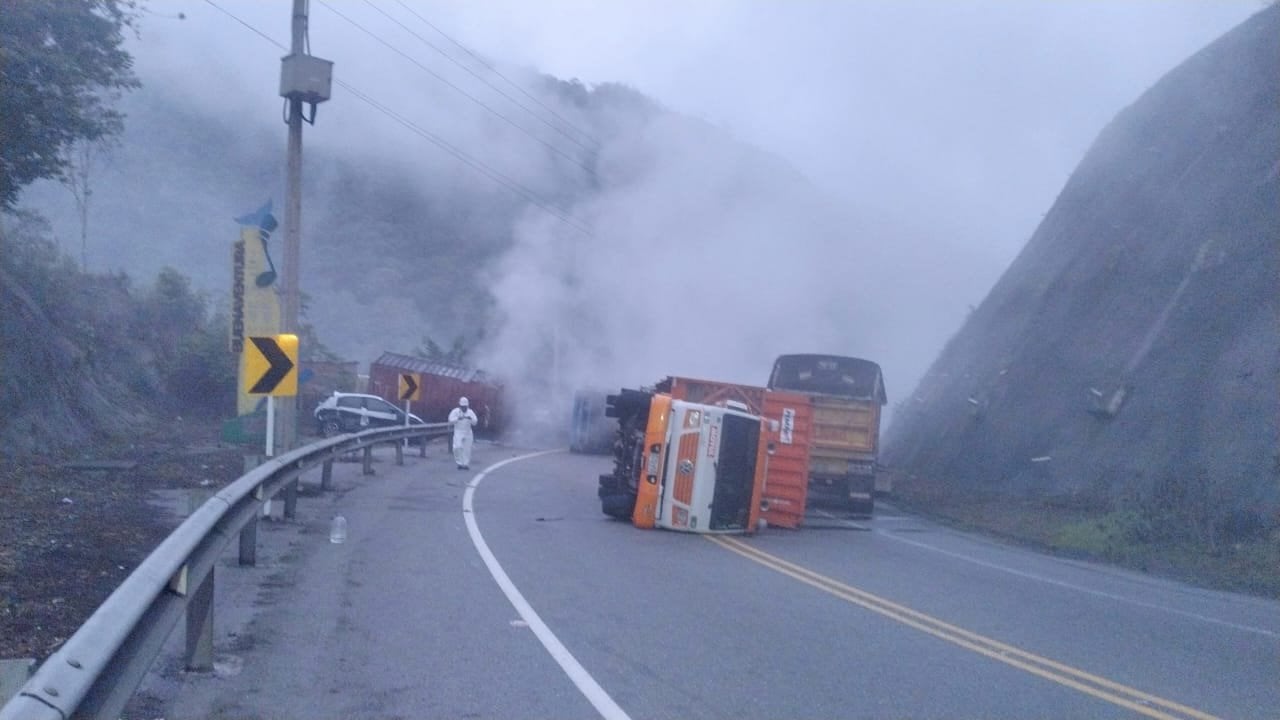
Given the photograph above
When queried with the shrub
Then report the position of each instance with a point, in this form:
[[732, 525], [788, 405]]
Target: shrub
[[1112, 536]]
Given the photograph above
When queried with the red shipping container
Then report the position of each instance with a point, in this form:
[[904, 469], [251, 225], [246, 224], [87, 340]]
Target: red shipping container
[[442, 385]]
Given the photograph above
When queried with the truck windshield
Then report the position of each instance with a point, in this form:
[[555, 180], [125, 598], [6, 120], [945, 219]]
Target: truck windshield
[[735, 473], [830, 375]]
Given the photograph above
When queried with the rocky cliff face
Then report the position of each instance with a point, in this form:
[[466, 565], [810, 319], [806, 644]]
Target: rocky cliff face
[[1131, 352]]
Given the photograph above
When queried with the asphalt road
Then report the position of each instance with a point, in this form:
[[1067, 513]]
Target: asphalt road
[[505, 593]]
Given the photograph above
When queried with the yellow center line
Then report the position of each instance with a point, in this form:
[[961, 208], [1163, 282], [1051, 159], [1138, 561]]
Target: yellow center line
[[1099, 687]]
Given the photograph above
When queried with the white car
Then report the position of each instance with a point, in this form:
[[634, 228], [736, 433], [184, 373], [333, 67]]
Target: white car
[[352, 412]]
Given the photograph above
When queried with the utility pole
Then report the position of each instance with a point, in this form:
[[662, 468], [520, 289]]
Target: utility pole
[[287, 422], [293, 182], [303, 79]]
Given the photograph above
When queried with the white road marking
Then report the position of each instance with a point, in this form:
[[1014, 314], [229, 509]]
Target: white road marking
[[1082, 589], [586, 684]]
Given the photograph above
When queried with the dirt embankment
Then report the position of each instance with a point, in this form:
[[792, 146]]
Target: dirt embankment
[[70, 534]]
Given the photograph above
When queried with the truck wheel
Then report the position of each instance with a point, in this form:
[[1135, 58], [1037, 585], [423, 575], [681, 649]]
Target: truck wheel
[[618, 507], [617, 489], [862, 506], [616, 502]]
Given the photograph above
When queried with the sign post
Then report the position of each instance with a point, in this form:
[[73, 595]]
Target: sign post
[[271, 369], [271, 427]]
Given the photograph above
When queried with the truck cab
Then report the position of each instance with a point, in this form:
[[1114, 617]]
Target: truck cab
[[685, 466], [847, 395]]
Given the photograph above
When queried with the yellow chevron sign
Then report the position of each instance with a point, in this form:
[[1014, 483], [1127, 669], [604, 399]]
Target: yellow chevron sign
[[410, 386], [271, 365]]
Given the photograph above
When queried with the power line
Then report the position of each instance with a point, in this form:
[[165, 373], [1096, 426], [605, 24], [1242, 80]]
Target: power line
[[478, 165], [495, 71], [464, 93], [255, 30], [475, 164], [491, 68]]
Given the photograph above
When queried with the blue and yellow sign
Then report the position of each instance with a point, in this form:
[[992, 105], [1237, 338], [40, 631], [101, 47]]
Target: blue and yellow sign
[[255, 303]]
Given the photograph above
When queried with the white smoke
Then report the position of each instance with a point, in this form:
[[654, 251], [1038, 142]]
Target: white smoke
[[706, 258]]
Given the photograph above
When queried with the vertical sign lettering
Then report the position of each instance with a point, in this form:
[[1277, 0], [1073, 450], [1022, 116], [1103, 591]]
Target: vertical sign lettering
[[788, 425]]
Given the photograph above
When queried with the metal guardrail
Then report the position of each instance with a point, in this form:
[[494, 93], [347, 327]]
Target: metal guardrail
[[98, 669]]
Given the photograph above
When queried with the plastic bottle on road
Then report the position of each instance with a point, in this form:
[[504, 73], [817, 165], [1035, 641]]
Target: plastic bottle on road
[[338, 530]]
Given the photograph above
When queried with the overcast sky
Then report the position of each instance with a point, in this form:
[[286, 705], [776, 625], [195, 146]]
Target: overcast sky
[[966, 115], [945, 128]]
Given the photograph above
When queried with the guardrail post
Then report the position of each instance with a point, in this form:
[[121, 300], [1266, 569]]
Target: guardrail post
[[251, 462], [368, 460], [399, 453], [197, 497], [200, 626], [423, 447], [291, 500], [326, 475], [249, 541]]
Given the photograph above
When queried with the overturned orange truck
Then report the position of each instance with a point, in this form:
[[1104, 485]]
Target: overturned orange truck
[[701, 466], [708, 456]]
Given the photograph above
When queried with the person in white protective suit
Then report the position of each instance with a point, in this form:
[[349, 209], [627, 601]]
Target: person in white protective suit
[[462, 418]]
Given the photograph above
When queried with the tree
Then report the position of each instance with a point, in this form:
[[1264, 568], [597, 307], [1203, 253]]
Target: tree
[[431, 351], [61, 65], [79, 163], [309, 346]]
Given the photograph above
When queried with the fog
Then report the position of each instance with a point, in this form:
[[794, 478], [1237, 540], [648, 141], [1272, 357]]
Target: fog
[[924, 142]]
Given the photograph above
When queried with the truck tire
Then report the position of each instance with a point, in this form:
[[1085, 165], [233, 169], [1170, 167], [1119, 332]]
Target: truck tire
[[618, 507], [865, 501], [615, 501], [862, 506], [618, 489], [627, 402]]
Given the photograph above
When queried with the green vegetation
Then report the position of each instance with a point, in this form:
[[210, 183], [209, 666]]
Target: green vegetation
[[1137, 535], [1129, 539], [89, 355], [63, 62], [1111, 536], [86, 355], [310, 348], [457, 354]]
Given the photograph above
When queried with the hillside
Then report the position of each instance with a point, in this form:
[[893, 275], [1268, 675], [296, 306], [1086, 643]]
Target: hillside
[[393, 247], [1128, 359], [402, 241]]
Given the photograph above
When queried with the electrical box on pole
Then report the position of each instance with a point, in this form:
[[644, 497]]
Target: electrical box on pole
[[306, 78]]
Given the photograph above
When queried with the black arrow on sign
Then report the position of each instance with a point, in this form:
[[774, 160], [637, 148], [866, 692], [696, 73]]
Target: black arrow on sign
[[411, 387], [280, 365]]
